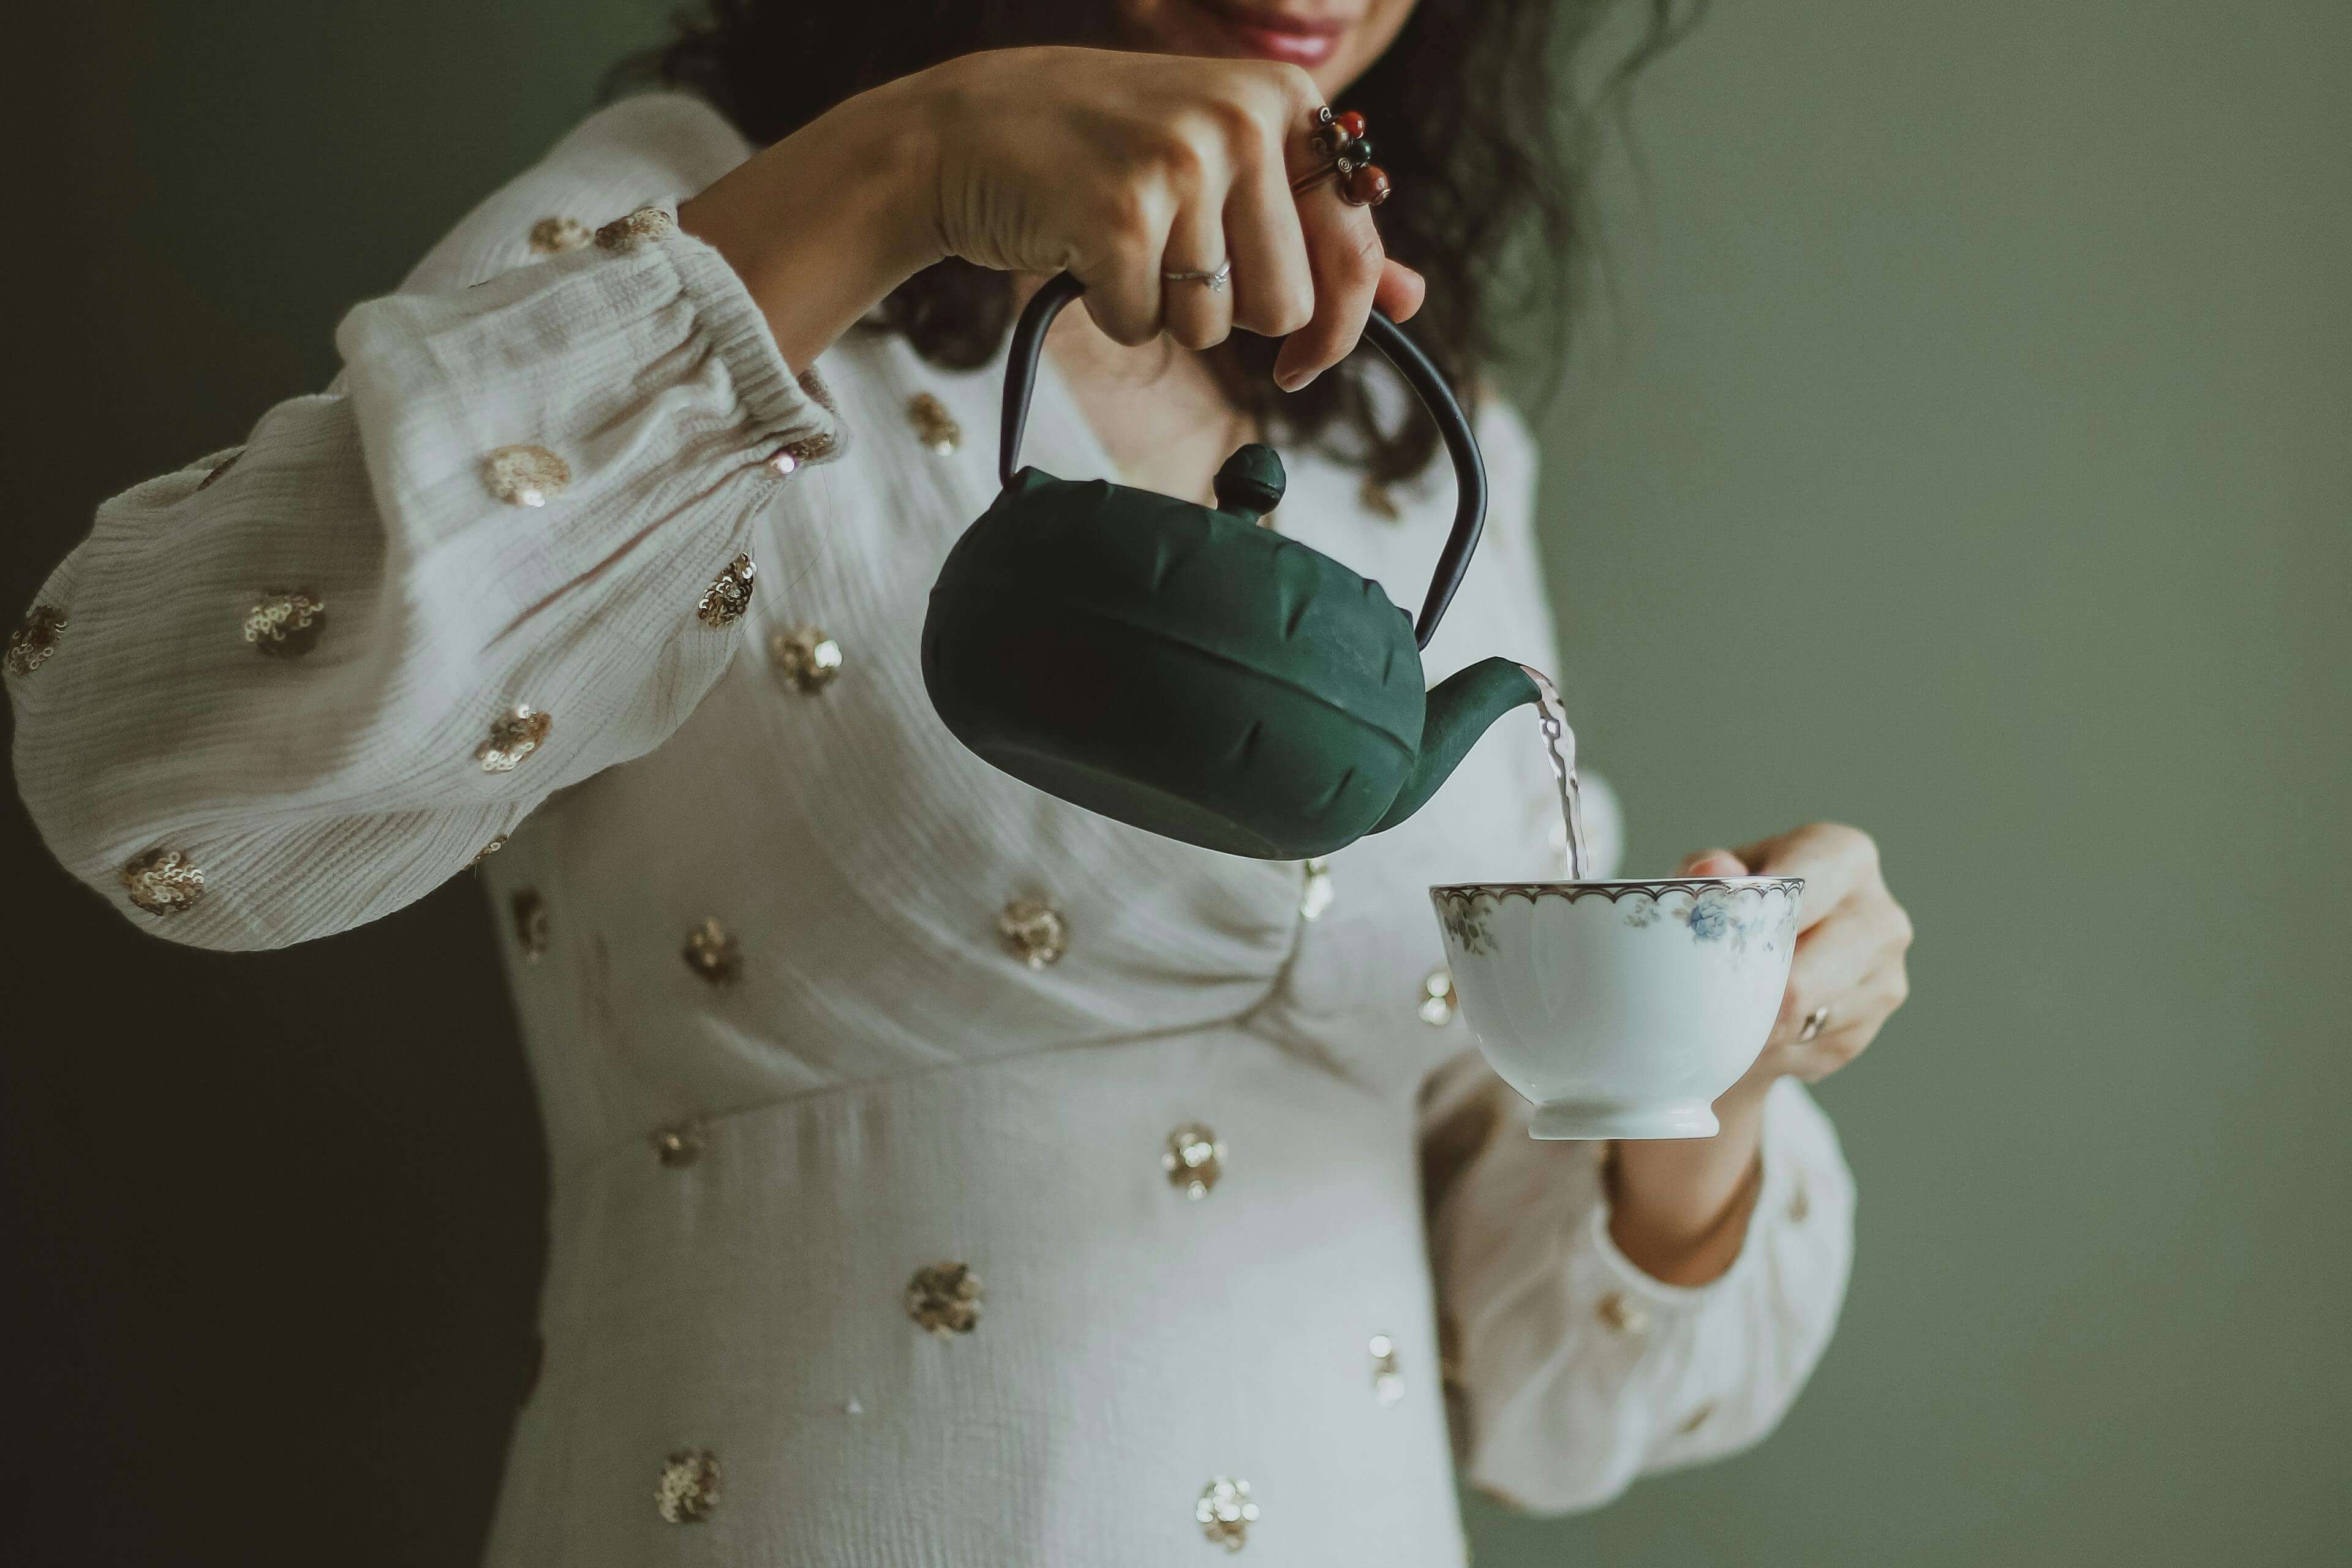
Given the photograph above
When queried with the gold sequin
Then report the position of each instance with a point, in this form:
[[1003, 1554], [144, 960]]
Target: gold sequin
[[788, 456], [554, 235], [1379, 499], [1437, 998], [513, 737], [934, 426], [285, 623], [1622, 1316], [1696, 1419], [818, 392], [688, 1492], [711, 952], [1034, 931], [32, 640], [681, 1143], [529, 912], [525, 474], [1388, 1382], [1315, 893], [218, 469], [946, 1298], [163, 882], [1800, 1206], [487, 850], [1194, 1160], [729, 595], [635, 230], [804, 656], [1225, 1512]]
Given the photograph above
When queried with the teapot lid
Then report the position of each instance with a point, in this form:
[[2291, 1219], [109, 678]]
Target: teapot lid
[[1253, 473]]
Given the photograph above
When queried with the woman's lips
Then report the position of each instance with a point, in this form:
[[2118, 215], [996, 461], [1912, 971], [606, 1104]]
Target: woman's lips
[[1291, 39]]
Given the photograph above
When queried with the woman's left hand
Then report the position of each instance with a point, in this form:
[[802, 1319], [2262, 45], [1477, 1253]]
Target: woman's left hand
[[1849, 973]]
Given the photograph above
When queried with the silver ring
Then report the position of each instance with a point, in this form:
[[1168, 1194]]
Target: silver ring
[[1216, 280], [1815, 1022]]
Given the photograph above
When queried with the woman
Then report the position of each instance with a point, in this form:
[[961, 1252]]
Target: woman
[[945, 1175]]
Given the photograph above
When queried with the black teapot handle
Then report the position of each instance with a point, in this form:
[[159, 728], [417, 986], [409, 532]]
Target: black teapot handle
[[1452, 426]]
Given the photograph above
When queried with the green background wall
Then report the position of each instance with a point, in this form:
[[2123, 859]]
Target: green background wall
[[1961, 448]]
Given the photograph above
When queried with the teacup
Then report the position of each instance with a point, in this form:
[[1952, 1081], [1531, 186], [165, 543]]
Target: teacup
[[1622, 1009]]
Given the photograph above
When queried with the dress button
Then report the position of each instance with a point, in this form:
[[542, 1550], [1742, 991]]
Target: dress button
[[1437, 998], [1315, 893], [681, 1143], [935, 427], [792, 454], [730, 594], [1225, 1512], [554, 235], [163, 882], [1388, 1382], [529, 912], [513, 737], [946, 1298], [525, 476], [805, 657], [1621, 1316], [285, 623], [687, 1491], [1194, 1160], [33, 639], [1034, 931], [713, 954]]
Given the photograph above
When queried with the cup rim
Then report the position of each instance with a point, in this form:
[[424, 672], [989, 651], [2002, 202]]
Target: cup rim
[[1613, 889]]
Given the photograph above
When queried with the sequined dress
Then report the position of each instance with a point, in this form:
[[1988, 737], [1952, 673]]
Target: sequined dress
[[943, 1177]]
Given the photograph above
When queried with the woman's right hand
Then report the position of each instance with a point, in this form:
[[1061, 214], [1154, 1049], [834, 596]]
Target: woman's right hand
[[1117, 167]]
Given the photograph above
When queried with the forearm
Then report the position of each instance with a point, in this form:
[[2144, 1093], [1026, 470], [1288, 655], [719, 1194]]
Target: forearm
[[1679, 1207], [825, 223]]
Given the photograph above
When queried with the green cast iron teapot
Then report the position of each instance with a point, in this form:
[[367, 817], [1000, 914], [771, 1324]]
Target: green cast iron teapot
[[1182, 669]]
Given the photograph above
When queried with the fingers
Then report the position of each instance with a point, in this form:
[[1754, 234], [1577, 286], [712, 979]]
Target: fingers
[[1836, 861], [1344, 251], [1198, 315], [1854, 1024], [1274, 288], [1122, 278], [1831, 962], [1712, 863]]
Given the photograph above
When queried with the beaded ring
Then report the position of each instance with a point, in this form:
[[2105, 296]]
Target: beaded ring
[[1339, 136]]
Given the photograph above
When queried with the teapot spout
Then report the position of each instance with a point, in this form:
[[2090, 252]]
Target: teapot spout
[[1460, 708]]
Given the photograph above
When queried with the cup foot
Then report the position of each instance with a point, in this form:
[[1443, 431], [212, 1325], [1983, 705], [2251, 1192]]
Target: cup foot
[[1564, 1120]]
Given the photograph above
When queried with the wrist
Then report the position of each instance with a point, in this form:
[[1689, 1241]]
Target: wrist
[[1679, 1207]]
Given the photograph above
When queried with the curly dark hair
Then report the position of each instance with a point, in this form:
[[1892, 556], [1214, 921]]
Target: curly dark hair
[[1471, 113]]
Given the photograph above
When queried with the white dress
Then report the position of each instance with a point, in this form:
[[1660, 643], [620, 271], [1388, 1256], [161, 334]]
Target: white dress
[[944, 1177]]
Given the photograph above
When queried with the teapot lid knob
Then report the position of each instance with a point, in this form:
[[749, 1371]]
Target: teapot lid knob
[[1250, 484]]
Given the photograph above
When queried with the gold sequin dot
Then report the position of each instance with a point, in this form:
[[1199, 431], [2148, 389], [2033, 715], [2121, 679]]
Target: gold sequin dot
[[218, 469], [792, 454], [1437, 998], [935, 427], [1315, 893], [513, 737], [1034, 931], [946, 1298], [818, 392], [1696, 1419], [163, 882], [681, 1143], [1388, 1382], [688, 1492], [1379, 499], [635, 230], [554, 235], [525, 474], [729, 595], [804, 656], [1194, 1160], [285, 623], [32, 640], [1225, 1512], [1621, 1316], [713, 954], [487, 850], [529, 912]]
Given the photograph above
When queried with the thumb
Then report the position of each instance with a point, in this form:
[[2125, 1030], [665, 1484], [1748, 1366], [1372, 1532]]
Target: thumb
[[1712, 863]]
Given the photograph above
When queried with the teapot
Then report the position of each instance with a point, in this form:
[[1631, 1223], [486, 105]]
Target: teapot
[[1180, 669]]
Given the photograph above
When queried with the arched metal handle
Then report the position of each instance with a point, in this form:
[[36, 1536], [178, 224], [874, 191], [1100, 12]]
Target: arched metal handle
[[1452, 427]]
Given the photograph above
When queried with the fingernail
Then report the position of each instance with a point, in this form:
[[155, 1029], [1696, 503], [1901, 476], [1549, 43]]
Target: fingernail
[[1291, 381]]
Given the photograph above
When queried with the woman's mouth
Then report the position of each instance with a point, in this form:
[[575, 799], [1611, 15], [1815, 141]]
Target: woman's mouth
[[1275, 36]]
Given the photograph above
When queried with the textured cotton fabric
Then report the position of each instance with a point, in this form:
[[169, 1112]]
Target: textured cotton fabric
[[786, 1057]]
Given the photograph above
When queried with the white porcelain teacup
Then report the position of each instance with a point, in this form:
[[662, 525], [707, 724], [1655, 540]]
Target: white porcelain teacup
[[1622, 1009]]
